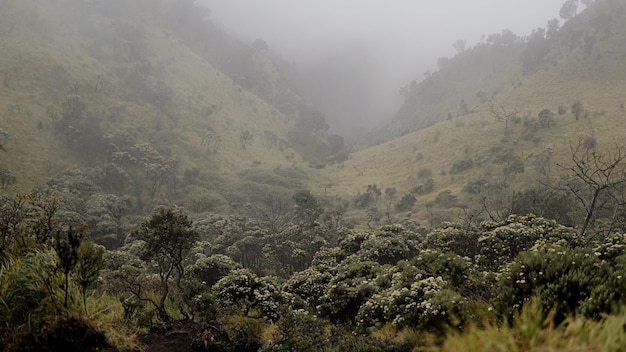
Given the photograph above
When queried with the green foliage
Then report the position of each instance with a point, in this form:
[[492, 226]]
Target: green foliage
[[369, 198], [90, 262], [201, 199], [66, 243], [446, 198], [406, 203], [308, 209], [386, 245], [501, 242], [418, 301], [389, 244], [449, 238], [476, 185], [244, 333], [272, 178], [451, 267], [307, 287], [168, 237], [309, 134], [537, 47], [568, 280], [253, 296], [298, 330], [27, 291], [209, 270], [353, 285], [546, 203], [85, 202]]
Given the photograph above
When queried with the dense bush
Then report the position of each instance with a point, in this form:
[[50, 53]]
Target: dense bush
[[252, 295], [353, 285], [502, 241], [419, 301], [406, 203], [566, 280], [453, 239]]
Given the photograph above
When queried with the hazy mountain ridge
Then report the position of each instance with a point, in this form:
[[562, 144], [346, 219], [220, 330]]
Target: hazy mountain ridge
[[148, 86], [455, 125], [587, 46], [84, 81]]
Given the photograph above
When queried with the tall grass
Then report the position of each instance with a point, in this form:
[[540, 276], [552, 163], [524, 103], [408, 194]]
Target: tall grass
[[532, 330]]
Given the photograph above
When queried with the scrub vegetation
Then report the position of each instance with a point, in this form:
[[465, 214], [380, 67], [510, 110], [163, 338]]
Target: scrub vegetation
[[164, 187]]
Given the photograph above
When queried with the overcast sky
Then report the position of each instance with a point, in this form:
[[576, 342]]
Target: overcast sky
[[400, 39]]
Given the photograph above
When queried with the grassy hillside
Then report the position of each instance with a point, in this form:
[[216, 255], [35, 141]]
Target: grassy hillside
[[87, 84], [570, 70]]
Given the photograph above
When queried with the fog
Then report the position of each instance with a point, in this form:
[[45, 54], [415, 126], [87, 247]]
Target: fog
[[356, 54]]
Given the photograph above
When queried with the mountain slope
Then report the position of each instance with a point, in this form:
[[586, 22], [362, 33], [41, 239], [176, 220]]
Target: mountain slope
[[459, 150], [86, 82]]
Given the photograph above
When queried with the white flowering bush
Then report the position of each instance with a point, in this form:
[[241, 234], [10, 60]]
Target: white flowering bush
[[208, 270], [307, 287], [354, 283], [502, 241], [453, 238], [612, 248], [387, 245], [422, 302], [200, 277], [243, 290], [390, 244], [350, 241], [451, 267], [566, 280]]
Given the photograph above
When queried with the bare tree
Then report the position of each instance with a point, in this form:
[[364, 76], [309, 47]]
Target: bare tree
[[502, 114], [595, 178]]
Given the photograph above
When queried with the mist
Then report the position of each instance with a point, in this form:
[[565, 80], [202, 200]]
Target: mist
[[356, 54]]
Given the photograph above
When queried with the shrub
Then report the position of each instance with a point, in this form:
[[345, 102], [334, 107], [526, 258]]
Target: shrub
[[389, 244], [501, 242], [242, 289], [308, 287], [369, 198], [300, 331], [200, 199], [453, 239], [476, 185], [354, 284], [424, 188], [450, 266], [422, 302], [578, 109], [567, 280], [445, 198], [209, 270], [461, 165], [424, 173], [272, 178], [406, 203]]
